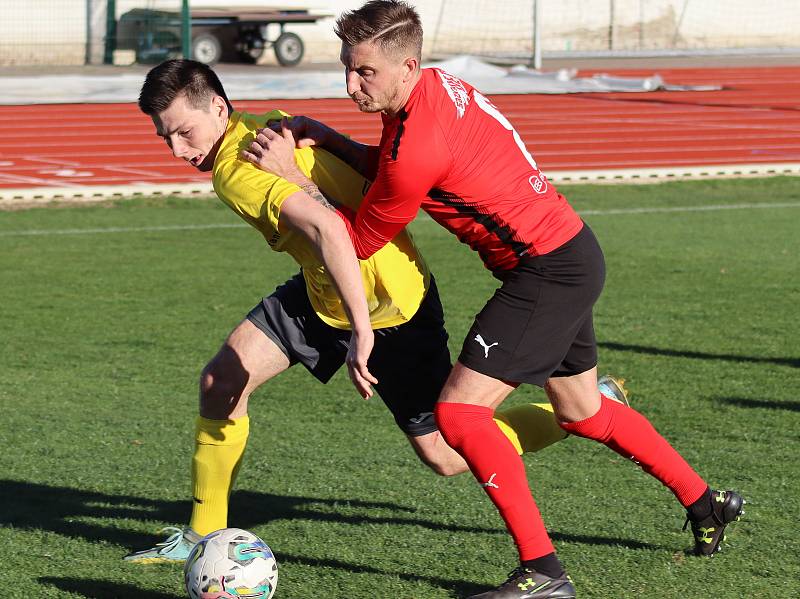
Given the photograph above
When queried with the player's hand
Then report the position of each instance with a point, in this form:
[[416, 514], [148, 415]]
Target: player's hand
[[273, 151], [306, 131], [356, 360]]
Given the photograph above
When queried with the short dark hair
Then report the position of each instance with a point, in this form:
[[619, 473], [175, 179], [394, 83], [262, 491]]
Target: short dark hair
[[195, 80], [393, 25]]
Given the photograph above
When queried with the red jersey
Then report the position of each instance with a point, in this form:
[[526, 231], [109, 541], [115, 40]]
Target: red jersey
[[451, 152]]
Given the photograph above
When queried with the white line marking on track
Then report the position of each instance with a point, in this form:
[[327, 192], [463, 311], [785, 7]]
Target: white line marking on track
[[140, 172], [422, 217], [15, 178], [49, 161], [66, 172]]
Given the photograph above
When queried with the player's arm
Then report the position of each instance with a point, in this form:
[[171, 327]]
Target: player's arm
[[310, 213], [404, 179], [326, 233], [385, 210], [309, 132], [391, 203], [362, 157]]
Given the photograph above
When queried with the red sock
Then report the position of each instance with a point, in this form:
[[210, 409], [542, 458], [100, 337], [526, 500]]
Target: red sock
[[631, 435], [472, 432]]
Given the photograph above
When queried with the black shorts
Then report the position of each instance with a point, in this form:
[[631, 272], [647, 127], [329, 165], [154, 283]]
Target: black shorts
[[411, 361], [538, 324]]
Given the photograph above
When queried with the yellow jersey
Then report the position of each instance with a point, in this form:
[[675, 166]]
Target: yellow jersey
[[396, 278]]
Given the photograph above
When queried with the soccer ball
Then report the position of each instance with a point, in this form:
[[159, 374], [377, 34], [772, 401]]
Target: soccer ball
[[230, 562]]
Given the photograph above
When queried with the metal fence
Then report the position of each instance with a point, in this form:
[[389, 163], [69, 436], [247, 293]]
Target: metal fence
[[573, 28], [76, 32], [72, 32]]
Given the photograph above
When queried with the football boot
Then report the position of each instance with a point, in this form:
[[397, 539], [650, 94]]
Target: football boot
[[613, 388], [175, 548], [726, 507], [525, 583]]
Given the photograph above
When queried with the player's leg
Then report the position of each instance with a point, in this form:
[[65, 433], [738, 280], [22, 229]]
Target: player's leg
[[465, 417], [584, 412], [247, 359], [529, 426], [532, 426], [521, 335], [281, 330], [412, 363], [464, 414]]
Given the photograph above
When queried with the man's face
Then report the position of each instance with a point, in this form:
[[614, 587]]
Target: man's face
[[191, 133], [374, 79]]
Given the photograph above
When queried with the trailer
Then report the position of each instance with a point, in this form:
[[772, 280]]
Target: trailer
[[217, 34]]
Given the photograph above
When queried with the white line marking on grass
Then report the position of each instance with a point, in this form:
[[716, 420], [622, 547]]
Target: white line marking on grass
[[711, 208], [35, 232], [422, 217]]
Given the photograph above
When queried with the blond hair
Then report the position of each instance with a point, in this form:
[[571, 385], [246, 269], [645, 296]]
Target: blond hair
[[393, 25]]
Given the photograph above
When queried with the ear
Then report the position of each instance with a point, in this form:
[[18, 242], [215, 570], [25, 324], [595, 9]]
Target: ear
[[410, 68], [219, 107]]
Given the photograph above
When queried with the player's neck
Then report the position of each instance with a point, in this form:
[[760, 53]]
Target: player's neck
[[403, 96], [225, 124], [211, 158]]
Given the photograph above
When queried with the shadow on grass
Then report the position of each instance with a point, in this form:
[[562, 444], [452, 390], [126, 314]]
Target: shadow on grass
[[102, 589], [462, 588], [657, 351], [74, 512], [791, 406], [71, 512], [62, 509]]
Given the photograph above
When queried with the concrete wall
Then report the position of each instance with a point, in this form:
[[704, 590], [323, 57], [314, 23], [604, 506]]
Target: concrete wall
[[55, 31]]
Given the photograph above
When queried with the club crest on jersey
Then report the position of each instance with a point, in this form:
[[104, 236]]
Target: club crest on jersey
[[456, 90], [539, 183]]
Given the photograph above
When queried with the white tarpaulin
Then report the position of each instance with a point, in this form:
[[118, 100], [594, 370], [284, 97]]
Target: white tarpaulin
[[297, 84]]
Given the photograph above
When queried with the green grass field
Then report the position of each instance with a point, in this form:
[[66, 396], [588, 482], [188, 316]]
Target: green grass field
[[110, 311]]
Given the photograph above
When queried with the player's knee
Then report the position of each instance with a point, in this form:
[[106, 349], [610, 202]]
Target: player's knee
[[442, 459], [222, 393], [442, 466]]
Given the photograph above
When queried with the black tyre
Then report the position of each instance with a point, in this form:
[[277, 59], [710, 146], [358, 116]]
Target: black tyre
[[288, 49], [206, 48], [251, 56], [250, 46]]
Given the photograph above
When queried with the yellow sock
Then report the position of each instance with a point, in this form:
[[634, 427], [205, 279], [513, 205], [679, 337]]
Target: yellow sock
[[530, 427], [219, 446]]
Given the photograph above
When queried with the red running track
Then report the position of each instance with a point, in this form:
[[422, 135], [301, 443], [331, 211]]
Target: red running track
[[755, 119]]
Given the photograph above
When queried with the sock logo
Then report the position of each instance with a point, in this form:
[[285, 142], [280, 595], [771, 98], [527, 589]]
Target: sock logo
[[489, 482], [196, 500], [486, 347]]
